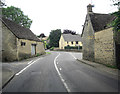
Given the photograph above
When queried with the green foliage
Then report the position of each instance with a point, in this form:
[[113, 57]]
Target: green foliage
[[42, 35], [73, 47], [2, 3], [116, 26], [38, 54], [69, 32], [116, 3], [54, 38], [48, 53], [116, 22], [52, 48], [17, 16]]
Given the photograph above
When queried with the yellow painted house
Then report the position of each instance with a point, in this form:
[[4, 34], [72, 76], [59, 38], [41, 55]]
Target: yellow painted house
[[70, 40], [18, 42]]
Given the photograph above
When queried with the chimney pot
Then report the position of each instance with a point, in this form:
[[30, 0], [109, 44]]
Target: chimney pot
[[89, 8]]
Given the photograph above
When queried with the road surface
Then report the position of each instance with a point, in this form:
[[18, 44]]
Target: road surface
[[61, 72]]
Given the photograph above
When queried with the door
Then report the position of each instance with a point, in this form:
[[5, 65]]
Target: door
[[33, 49]]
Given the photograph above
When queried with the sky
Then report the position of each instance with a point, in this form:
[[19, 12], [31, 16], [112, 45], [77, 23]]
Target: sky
[[50, 15]]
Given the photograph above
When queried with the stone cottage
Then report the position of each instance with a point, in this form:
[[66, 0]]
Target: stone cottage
[[69, 40], [97, 35], [19, 42]]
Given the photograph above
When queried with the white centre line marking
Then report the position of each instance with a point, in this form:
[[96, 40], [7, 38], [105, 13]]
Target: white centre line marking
[[27, 67], [60, 68], [66, 86], [73, 56]]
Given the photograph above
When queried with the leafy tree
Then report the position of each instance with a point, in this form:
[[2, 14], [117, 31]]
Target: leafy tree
[[69, 32], [17, 16], [2, 3], [116, 3], [116, 22], [42, 35], [54, 38]]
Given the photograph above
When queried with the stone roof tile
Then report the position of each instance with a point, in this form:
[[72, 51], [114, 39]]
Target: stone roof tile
[[20, 31], [70, 37], [100, 21]]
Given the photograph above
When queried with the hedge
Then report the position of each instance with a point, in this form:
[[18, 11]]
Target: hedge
[[73, 47]]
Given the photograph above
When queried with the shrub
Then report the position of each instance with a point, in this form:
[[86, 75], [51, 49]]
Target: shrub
[[73, 47], [52, 48]]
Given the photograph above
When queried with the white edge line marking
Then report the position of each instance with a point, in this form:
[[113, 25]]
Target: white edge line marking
[[27, 67], [73, 56], [30, 62], [66, 86]]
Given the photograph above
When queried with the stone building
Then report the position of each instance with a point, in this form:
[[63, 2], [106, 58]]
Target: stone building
[[19, 42], [69, 39], [97, 35]]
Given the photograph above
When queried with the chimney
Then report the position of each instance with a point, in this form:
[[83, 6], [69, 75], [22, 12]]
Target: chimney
[[89, 8]]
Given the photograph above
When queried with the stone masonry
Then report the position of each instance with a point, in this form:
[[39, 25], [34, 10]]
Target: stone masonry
[[104, 47]]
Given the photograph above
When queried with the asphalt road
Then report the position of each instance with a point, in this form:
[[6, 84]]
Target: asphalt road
[[60, 72]]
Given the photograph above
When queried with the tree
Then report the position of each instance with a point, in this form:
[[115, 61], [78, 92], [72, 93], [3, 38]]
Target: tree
[[2, 3], [116, 3], [42, 35], [69, 32], [116, 22], [16, 15], [54, 38]]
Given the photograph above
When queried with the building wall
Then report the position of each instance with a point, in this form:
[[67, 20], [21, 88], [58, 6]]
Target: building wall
[[74, 43], [104, 47], [12, 49], [25, 50], [9, 45], [88, 40], [63, 43]]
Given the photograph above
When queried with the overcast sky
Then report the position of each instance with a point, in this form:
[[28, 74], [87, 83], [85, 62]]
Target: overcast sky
[[48, 15]]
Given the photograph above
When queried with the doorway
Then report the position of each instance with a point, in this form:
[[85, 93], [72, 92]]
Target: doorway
[[33, 49]]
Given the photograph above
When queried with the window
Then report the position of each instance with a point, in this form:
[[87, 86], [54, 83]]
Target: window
[[72, 42], [23, 43], [76, 42], [67, 42]]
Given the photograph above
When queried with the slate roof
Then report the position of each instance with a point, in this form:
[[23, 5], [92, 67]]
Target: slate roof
[[19, 31], [70, 37], [100, 21]]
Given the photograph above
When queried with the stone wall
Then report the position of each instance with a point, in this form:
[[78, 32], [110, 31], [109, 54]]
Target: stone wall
[[62, 43], [12, 49], [104, 47], [88, 41], [25, 51], [9, 45]]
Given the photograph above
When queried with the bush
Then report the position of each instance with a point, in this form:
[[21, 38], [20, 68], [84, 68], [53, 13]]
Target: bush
[[52, 48], [73, 47]]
